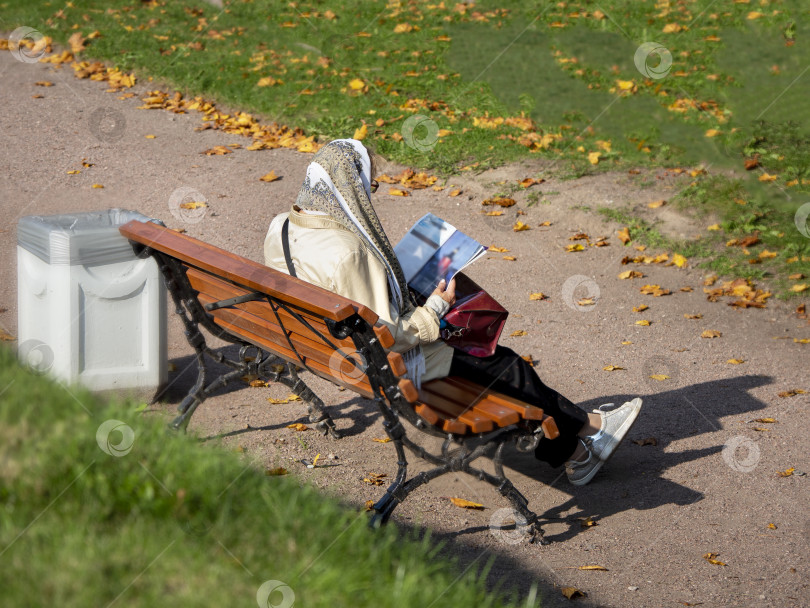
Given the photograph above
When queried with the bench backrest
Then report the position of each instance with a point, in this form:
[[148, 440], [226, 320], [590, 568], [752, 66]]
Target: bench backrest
[[291, 313]]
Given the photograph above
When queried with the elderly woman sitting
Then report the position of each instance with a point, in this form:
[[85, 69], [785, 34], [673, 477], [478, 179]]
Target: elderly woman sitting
[[336, 241]]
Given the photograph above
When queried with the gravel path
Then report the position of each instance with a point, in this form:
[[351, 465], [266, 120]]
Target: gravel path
[[659, 508]]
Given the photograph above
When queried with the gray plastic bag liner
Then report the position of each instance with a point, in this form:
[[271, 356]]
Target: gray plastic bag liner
[[79, 238]]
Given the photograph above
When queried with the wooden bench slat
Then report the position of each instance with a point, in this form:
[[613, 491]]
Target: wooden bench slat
[[360, 386], [384, 336], [479, 423], [439, 418], [217, 289], [243, 271], [527, 412], [550, 428], [256, 326], [502, 416]]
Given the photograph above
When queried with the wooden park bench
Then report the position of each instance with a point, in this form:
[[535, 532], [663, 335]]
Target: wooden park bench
[[283, 324]]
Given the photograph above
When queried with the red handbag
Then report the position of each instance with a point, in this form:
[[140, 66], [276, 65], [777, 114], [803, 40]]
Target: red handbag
[[475, 322]]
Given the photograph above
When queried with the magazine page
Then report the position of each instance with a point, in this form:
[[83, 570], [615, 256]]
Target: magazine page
[[434, 250]]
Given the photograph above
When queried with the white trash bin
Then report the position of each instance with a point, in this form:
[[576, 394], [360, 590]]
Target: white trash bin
[[89, 311]]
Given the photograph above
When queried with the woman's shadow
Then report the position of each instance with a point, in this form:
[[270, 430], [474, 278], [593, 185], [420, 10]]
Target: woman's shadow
[[634, 477]]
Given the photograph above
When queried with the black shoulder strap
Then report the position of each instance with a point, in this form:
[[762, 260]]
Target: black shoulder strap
[[285, 243]]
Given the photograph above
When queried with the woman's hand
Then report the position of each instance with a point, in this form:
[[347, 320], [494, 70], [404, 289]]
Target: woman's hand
[[447, 294]]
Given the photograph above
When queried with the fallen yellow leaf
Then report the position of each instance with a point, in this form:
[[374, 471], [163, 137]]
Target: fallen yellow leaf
[[786, 473], [659, 377], [270, 177], [710, 333], [356, 84], [657, 204], [510, 258], [466, 504], [697, 316], [641, 308], [679, 260], [631, 274], [612, 368], [383, 440], [150, 136], [193, 205], [624, 235], [520, 226], [297, 426], [735, 361], [644, 322], [593, 157], [572, 592], [498, 249], [712, 559], [713, 227], [517, 333], [397, 192], [574, 247], [798, 288], [97, 186], [538, 296], [361, 132], [457, 192]]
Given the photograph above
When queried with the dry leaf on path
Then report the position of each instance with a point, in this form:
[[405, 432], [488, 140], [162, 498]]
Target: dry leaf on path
[[631, 274], [466, 504], [712, 559], [659, 377], [501, 201], [641, 308], [656, 204], [575, 247], [791, 393], [520, 226], [218, 151], [594, 567], [398, 192], [381, 440], [375, 479], [736, 361], [517, 333], [643, 322], [688, 316], [624, 235], [572, 592], [270, 177], [710, 333], [510, 258], [538, 296], [786, 473], [612, 368], [298, 426]]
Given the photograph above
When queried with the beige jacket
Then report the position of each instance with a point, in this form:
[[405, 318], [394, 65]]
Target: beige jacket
[[324, 253]]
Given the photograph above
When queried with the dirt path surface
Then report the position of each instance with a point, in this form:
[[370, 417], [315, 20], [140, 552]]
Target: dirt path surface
[[659, 508]]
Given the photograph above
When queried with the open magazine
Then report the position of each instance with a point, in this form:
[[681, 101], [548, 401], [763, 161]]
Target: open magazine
[[433, 250]]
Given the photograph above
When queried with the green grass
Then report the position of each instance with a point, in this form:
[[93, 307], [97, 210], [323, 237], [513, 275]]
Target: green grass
[[556, 69], [174, 523]]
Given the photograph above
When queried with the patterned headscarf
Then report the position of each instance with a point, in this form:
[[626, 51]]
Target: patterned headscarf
[[338, 183]]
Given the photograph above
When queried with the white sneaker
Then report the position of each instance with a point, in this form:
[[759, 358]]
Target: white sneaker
[[580, 472], [615, 425]]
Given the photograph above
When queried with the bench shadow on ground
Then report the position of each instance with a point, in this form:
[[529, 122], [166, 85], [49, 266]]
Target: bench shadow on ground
[[185, 376], [634, 478]]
